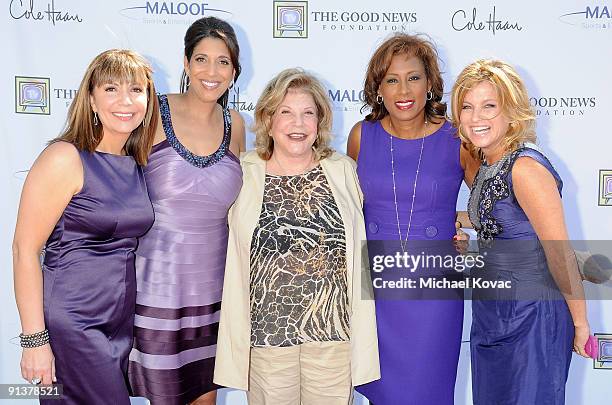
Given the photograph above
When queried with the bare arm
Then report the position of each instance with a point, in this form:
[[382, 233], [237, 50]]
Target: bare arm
[[469, 164], [238, 143], [354, 141], [536, 191], [54, 178]]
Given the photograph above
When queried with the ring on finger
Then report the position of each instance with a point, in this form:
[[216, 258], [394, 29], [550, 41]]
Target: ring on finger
[[35, 381]]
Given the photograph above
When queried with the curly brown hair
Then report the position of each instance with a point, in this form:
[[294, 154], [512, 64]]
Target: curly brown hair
[[413, 45]]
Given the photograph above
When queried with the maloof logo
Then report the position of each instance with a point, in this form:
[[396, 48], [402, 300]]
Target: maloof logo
[[592, 17], [171, 12], [346, 99]]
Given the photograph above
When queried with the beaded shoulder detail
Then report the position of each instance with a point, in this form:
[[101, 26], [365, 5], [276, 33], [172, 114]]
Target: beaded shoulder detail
[[193, 159], [490, 186]]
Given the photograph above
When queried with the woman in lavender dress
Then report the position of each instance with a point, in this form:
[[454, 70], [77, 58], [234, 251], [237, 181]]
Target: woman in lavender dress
[[86, 197], [193, 178], [410, 165]]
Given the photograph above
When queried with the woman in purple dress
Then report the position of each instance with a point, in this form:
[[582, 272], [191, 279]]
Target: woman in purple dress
[[410, 166], [193, 178], [522, 338], [86, 202]]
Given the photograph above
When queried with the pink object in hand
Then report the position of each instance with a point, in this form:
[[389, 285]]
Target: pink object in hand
[[592, 347]]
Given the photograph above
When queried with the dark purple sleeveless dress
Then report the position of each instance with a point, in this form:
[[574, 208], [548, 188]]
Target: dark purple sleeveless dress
[[90, 282], [418, 340]]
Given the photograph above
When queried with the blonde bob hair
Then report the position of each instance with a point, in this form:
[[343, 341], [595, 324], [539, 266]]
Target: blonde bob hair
[[115, 65], [274, 94], [513, 98]]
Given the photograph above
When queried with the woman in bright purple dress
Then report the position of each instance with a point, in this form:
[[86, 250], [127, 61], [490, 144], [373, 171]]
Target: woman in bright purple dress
[[86, 201], [410, 166], [193, 177]]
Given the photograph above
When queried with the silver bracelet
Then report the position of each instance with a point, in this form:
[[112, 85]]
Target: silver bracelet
[[35, 339]]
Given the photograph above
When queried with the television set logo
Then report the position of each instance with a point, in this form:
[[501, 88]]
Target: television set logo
[[605, 188], [290, 19], [592, 17], [604, 352], [32, 95]]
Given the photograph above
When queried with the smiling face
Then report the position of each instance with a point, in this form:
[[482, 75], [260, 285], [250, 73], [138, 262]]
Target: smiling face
[[294, 125], [483, 121], [210, 69], [121, 107], [404, 87]]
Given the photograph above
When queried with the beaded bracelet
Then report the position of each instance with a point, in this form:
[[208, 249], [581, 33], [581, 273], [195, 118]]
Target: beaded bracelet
[[35, 339]]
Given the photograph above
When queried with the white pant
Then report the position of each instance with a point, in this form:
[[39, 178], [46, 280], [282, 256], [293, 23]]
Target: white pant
[[313, 373]]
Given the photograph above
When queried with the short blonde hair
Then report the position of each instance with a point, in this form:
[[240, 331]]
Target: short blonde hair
[[120, 65], [274, 94], [514, 101]]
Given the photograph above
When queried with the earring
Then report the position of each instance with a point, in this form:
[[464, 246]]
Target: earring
[[429, 94], [95, 118], [231, 86], [379, 99]]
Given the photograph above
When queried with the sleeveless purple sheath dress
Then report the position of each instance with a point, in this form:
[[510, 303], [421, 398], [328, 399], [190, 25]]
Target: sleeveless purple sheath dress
[[419, 340], [90, 282]]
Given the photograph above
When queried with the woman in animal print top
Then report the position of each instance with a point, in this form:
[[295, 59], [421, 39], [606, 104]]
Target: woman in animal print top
[[295, 324]]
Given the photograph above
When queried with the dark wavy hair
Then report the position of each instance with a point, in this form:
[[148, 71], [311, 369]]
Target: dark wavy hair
[[212, 27], [413, 45]]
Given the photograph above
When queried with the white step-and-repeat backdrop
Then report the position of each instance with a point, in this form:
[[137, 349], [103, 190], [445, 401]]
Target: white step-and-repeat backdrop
[[561, 48]]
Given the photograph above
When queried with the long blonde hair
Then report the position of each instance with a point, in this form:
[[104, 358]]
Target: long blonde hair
[[113, 65], [514, 101]]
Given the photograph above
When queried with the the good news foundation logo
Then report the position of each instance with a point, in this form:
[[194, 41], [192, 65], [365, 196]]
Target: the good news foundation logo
[[294, 19], [567, 107], [32, 95]]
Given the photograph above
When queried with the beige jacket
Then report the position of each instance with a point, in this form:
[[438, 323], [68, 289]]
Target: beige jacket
[[233, 344]]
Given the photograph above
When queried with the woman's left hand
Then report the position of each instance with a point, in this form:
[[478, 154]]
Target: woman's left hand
[[581, 335]]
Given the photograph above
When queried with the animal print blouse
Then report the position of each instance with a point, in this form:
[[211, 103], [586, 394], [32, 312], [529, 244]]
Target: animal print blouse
[[298, 278]]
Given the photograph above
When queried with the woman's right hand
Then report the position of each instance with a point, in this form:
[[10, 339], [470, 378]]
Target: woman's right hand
[[38, 362]]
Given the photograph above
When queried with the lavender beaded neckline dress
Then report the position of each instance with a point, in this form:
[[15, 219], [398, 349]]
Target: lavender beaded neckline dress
[[180, 264]]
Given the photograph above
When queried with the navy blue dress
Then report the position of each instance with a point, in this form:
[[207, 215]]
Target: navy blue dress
[[521, 338]]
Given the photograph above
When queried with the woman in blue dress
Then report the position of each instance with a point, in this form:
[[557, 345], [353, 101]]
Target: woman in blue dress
[[522, 337]]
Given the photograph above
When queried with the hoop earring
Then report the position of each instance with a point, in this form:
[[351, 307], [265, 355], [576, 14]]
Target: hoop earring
[[379, 99], [95, 119], [429, 95], [231, 86]]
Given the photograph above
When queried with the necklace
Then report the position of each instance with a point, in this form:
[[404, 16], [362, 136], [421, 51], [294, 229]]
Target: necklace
[[285, 172], [404, 241]]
